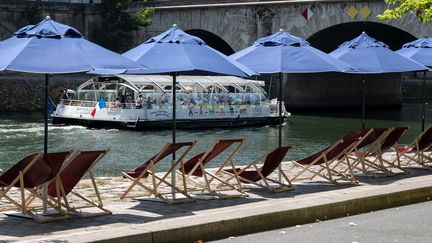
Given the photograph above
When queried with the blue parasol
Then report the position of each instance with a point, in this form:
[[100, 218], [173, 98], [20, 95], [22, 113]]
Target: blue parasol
[[285, 53], [371, 56], [420, 51], [175, 52], [53, 48]]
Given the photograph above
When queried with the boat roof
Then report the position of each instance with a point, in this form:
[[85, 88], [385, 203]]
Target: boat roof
[[188, 80]]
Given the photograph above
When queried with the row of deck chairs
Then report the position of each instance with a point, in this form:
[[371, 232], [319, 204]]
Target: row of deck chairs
[[61, 172], [358, 153]]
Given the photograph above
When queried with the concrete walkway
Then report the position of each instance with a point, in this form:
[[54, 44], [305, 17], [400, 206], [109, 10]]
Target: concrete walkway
[[146, 221]]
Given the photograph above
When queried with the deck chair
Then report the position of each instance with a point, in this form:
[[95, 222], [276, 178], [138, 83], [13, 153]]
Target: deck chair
[[260, 175], [148, 169], [61, 189], [373, 160], [417, 152], [195, 173], [28, 175], [327, 162], [370, 147]]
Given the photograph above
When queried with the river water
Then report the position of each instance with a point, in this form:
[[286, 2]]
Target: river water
[[22, 134]]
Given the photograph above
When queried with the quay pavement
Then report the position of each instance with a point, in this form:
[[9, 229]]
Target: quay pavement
[[147, 221]]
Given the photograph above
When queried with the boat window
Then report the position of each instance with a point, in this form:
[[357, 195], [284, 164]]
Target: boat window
[[111, 87], [88, 95], [250, 89], [88, 87], [263, 90], [127, 92], [215, 89], [108, 95], [169, 87], [232, 89], [195, 89], [147, 88]]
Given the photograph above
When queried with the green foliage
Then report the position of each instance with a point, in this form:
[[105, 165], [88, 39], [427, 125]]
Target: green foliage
[[421, 8], [143, 17], [117, 25]]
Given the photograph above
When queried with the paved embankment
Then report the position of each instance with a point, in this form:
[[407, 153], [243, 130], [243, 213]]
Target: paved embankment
[[144, 221]]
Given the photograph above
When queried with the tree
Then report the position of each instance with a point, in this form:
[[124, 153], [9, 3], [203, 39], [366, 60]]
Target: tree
[[117, 24], [421, 8], [143, 17]]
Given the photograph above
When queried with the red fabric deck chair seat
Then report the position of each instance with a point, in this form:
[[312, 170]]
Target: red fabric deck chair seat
[[44, 168], [416, 152], [75, 170], [36, 169], [329, 158], [220, 147], [337, 151], [272, 161], [212, 182], [69, 176], [156, 184]]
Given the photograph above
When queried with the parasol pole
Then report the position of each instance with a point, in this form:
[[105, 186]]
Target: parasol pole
[[363, 103], [280, 109], [45, 186], [173, 177], [424, 102]]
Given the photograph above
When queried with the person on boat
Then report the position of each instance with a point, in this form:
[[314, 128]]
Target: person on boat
[[123, 101], [64, 95], [139, 102], [117, 103], [149, 102]]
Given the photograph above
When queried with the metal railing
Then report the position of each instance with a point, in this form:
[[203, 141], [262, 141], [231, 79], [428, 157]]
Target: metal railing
[[211, 109]]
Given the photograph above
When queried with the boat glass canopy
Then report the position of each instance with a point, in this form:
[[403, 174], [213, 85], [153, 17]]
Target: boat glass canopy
[[158, 88]]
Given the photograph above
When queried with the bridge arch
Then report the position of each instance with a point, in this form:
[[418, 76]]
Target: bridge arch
[[212, 40], [330, 38]]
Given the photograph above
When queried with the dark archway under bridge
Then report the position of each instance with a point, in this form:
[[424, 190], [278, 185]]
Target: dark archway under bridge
[[330, 38], [335, 90], [212, 40]]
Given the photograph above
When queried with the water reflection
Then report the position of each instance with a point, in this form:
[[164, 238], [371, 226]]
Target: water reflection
[[22, 134]]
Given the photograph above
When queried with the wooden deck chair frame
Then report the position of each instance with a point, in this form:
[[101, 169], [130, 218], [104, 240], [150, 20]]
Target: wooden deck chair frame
[[264, 181], [221, 185], [413, 154], [373, 160], [62, 196], [361, 161], [328, 169], [20, 178], [25, 207], [157, 181]]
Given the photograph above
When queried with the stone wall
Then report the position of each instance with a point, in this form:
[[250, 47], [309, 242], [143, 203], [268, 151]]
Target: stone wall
[[25, 92], [16, 14], [21, 92], [237, 24]]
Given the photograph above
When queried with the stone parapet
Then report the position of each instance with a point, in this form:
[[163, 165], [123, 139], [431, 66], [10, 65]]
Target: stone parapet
[[25, 92]]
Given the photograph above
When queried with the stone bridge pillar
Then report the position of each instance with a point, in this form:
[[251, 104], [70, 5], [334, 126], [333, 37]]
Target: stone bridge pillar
[[264, 21]]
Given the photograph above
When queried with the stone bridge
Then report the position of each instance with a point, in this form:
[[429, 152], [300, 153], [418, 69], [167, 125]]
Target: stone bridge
[[230, 26], [233, 26]]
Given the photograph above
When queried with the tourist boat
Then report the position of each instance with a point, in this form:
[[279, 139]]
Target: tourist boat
[[201, 102]]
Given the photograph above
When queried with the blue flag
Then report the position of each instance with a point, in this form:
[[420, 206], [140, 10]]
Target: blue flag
[[102, 103]]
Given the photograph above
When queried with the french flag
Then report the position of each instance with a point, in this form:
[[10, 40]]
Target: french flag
[[99, 106]]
